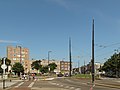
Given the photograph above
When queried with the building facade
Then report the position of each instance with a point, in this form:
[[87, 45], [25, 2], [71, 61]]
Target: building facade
[[19, 54], [46, 62], [64, 66]]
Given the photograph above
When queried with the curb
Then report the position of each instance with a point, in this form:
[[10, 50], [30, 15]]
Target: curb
[[109, 85], [106, 85]]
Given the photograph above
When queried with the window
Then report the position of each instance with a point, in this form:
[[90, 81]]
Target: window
[[14, 59]]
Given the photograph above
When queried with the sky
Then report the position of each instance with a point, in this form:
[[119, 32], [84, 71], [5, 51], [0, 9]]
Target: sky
[[46, 25]]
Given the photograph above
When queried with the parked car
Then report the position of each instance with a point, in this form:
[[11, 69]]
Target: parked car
[[60, 75], [24, 77], [66, 74]]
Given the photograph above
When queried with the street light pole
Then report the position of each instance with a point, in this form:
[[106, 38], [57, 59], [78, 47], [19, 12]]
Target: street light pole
[[48, 60], [70, 55], [93, 71]]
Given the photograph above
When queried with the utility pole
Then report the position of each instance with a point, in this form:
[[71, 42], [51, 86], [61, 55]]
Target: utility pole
[[48, 60], [93, 71], [78, 66], [84, 68], [70, 55]]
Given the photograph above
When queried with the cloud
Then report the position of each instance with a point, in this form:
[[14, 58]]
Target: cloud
[[7, 41], [63, 3]]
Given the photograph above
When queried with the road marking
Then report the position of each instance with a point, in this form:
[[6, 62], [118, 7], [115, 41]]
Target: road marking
[[118, 81], [53, 83], [49, 78], [35, 79], [19, 84], [31, 84], [71, 87], [78, 89], [67, 87], [84, 83], [57, 84], [61, 85]]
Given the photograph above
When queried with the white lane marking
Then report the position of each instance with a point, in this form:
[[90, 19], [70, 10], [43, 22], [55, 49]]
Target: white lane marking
[[19, 84], [49, 78], [61, 85], [67, 87], [78, 89], [53, 83], [57, 84], [84, 83], [31, 84], [35, 79], [71, 87]]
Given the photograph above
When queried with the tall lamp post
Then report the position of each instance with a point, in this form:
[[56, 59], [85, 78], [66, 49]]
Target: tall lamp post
[[93, 70], [48, 60], [70, 56]]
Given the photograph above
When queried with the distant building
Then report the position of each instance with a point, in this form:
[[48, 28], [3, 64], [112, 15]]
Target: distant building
[[64, 66], [19, 54], [45, 63], [87, 68]]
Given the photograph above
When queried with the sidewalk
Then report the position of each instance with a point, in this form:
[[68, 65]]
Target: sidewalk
[[112, 83], [8, 83], [48, 89]]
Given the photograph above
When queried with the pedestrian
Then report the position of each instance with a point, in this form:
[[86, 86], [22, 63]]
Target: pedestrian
[[29, 77], [24, 76], [33, 75]]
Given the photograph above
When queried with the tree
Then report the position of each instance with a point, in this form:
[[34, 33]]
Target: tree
[[52, 66], [112, 65], [44, 69], [36, 65], [18, 68]]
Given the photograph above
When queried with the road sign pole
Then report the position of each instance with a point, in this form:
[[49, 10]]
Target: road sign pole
[[3, 66]]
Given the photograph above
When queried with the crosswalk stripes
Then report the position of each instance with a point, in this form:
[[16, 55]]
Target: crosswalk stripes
[[31, 84], [78, 89], [19, 84], [72, 87], [64, 86]]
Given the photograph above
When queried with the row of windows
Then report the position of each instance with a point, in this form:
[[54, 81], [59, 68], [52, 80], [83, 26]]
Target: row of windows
[[18, 59], [64, 68]]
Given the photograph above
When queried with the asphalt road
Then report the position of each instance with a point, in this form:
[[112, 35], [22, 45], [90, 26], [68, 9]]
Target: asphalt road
[[65, 84]]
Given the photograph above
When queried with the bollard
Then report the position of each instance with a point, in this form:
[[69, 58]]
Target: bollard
[[3, 83]]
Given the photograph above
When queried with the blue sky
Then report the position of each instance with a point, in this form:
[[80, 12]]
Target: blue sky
[[46, 25]]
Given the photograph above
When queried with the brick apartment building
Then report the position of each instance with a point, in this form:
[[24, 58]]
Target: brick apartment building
[[64, 66], [19, 54]]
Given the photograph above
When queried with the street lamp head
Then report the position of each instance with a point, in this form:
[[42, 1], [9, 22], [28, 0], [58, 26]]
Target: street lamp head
[[49, 51]]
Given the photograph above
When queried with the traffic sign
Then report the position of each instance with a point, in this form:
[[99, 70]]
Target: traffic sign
[[3, 66]]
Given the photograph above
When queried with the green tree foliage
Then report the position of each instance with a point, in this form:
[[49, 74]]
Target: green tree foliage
[[52, 66], [44, 69], [112, 65], [36, 64], [18, 68]]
